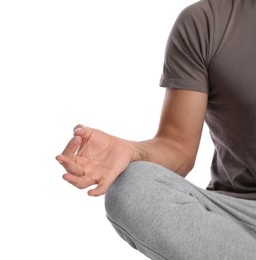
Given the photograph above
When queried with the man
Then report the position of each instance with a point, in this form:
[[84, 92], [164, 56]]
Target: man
[[209, 74]]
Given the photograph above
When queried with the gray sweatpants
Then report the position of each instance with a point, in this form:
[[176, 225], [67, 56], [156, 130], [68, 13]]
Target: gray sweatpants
[[166, 217]]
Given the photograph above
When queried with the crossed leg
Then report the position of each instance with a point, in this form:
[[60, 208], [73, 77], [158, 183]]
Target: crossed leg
[[166, 217]]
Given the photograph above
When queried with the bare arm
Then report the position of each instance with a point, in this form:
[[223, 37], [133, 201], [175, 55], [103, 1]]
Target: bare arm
[[176, 142], [94, 157]]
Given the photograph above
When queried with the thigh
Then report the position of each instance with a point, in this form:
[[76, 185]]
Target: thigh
[[166, 217]]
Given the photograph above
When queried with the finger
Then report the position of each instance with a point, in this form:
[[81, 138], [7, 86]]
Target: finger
[[77, 127], [70, 165], [83, 132], [79, 182], [98, 191], [101, 188], [72, 147]]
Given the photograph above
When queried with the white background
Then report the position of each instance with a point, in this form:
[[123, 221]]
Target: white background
[[62, 63]]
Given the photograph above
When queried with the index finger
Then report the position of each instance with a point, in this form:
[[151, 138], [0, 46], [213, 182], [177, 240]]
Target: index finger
[[72, 147]]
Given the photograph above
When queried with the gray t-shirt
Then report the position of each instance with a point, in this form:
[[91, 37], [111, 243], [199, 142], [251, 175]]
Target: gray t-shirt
[[212, 49]]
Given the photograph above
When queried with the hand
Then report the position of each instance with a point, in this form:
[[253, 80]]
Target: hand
[[94, 157]]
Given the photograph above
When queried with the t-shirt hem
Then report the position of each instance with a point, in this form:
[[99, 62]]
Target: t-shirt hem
[[245, 196]]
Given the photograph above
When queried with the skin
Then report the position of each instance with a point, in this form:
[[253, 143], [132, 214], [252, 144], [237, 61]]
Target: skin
[[93, 157]]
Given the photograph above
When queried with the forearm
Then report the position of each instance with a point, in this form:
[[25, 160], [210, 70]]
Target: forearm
[[169, 154]]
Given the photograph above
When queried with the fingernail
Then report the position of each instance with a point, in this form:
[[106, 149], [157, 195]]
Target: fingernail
[[77, 129]]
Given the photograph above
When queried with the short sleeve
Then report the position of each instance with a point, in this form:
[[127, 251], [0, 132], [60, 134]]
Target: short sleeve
[[188, 50]]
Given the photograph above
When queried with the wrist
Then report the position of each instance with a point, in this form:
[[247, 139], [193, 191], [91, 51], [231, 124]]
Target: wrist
[[138, 152]]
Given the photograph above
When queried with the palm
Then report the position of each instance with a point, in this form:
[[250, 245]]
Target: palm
[[96, 147]]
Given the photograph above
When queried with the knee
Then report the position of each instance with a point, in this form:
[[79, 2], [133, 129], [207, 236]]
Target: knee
[[145, 198], [127, 202], [123, 195], [140, 186], [131, 196]]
